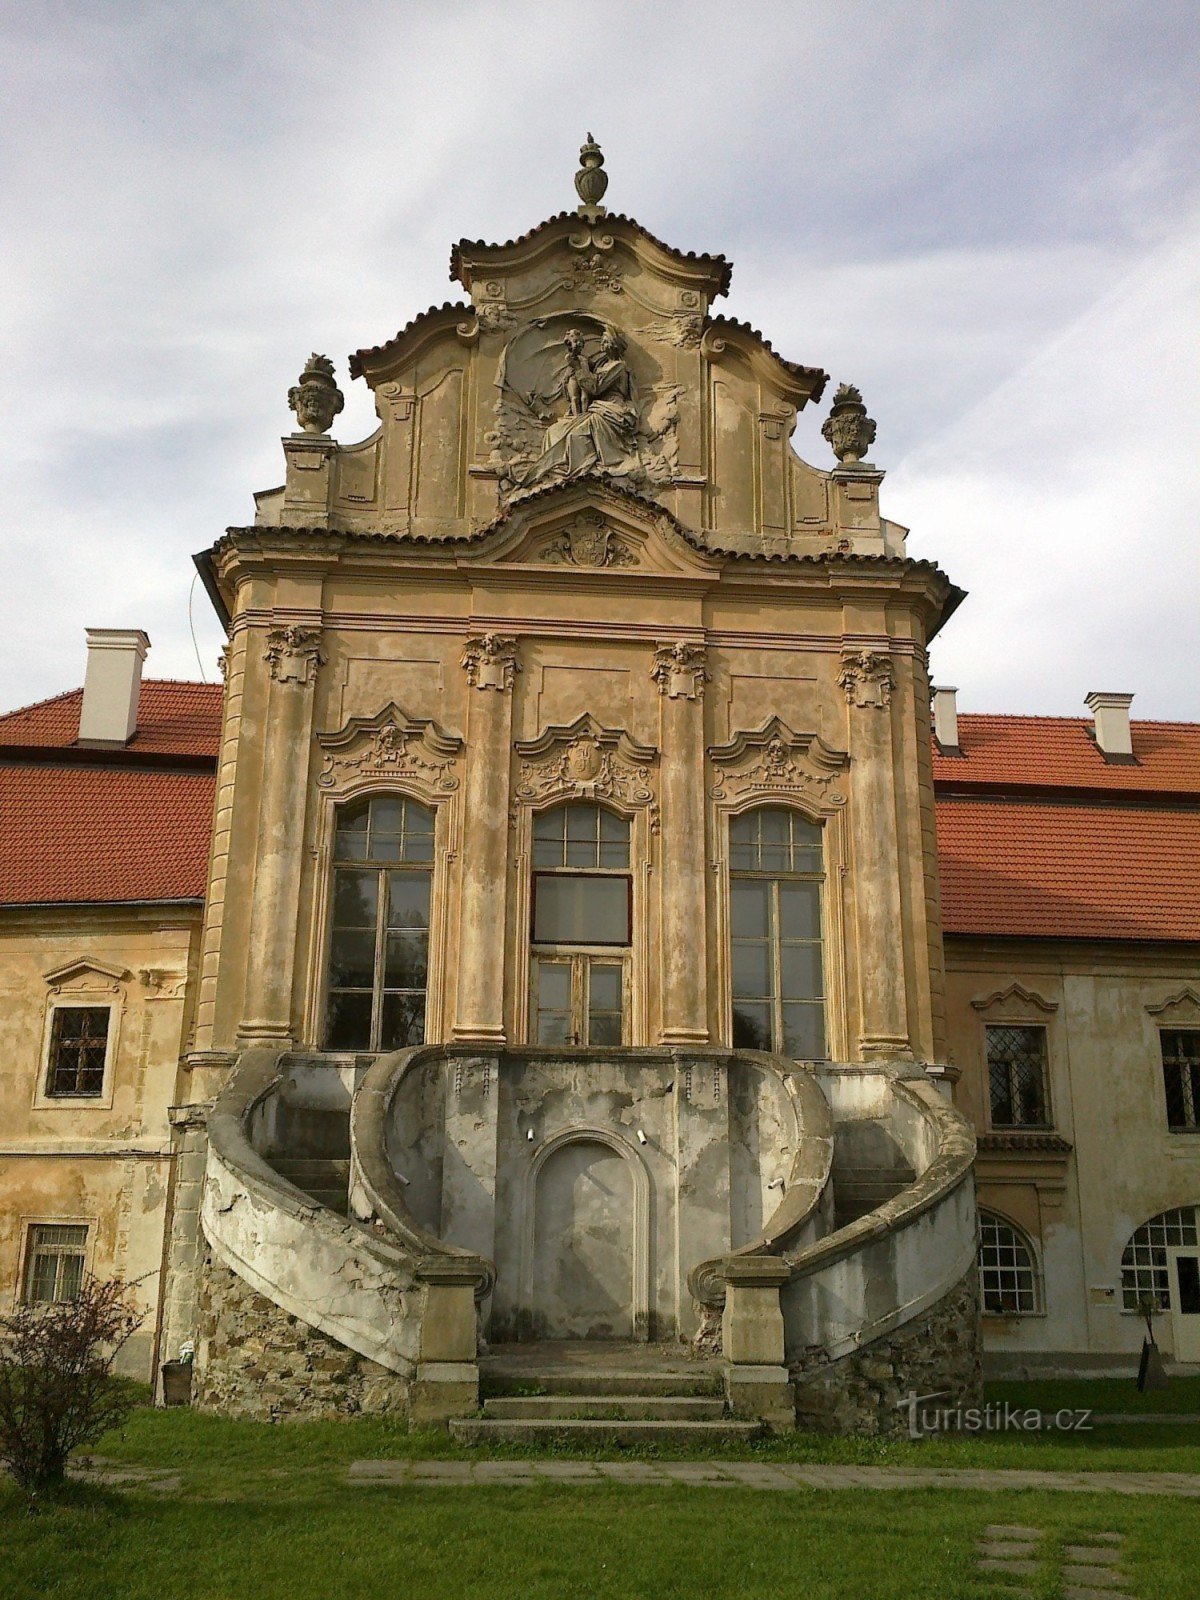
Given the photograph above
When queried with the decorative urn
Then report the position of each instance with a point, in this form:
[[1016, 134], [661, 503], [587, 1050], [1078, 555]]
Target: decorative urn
[[591, 180], [848, 428], [316, 398]]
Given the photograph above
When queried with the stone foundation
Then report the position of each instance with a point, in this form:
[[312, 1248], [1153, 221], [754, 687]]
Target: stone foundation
[[255, 1360], [861, 1392]]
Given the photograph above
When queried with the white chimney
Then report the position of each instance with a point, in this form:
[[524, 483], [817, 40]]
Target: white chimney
[[113, 685], [945, 718], [1111, 712]]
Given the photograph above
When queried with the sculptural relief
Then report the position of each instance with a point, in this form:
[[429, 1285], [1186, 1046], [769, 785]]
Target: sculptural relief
[[588, 542], [569, 406]]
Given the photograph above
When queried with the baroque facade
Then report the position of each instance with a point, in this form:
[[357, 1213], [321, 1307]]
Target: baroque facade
[[538, 936]]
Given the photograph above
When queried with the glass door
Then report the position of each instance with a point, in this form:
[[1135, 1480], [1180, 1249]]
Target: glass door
[[579, 998]]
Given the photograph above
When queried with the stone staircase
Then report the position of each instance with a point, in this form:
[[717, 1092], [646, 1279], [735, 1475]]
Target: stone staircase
[[323, 1179], [626, 1395]]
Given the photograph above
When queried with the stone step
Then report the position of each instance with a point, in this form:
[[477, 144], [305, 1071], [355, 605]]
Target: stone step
[[597, 1383], [607, 1407], [325, 1180], [540, 1430]]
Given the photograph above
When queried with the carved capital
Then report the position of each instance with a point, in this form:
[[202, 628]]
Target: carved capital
[[293, 654], [490, 660], [390, 745], [679, 671], [587, 762], [776, 761], [866, 676]]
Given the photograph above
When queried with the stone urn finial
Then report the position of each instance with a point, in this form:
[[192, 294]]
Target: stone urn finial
[[591, 180], [850, 431], [316, 398]]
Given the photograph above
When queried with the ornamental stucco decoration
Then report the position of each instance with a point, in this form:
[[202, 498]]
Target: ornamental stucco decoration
[[679, 670], [315, 397], [490, 660], [848, 428], [866, 677], [776, 761], [569, 406], [588, 542], [293, 654], [392, 745], [587, 762], [683, 329]]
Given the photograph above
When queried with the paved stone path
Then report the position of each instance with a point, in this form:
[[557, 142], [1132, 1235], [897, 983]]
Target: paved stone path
[[1089, 1570], [764, 1475]]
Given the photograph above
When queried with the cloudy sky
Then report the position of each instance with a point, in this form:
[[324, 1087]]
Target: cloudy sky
[[985, 213]]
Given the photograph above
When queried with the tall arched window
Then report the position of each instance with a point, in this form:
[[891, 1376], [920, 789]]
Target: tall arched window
[[582, 926], [775, 878], [1009, 1281], [379, 941], [1145, 1265]]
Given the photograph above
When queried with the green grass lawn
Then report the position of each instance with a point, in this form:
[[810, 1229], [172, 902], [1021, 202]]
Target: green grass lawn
[[264, 1512]]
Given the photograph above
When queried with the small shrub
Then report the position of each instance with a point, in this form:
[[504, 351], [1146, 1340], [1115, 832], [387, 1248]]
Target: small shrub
[[57, 1390]]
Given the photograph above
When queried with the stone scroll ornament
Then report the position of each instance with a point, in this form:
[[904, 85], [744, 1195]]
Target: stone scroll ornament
[[866, 677], [315, 397], [293, 654], [848, 428], [587, 762], [490, 660], [588, 542], [679, 671], [776, 761], [391, 745], [569, 406]]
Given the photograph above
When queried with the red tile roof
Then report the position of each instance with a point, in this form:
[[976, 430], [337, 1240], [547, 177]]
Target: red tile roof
[[79, 834], [174, 718], [1059, 752], [1068, 870]]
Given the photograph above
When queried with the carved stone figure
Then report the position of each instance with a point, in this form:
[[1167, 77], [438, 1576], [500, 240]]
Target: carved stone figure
[[316, 398], [591, 180], [594, 273], [569, 406], [848, 428], [293, 654], [679, 671]]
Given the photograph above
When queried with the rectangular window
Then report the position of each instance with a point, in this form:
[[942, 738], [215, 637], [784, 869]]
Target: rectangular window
[[581, 908], [54, 1262], [1016, 1058], [1181, 1079], [78, 1047]]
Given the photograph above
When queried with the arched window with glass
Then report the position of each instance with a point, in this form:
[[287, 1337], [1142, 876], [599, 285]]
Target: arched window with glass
[[776, 878], [581, 926], [1010, 1284], [379, 933]]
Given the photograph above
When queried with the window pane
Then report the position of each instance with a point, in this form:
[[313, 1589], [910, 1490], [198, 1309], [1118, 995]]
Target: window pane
[[604, 1027], [554, 985], [800, 910], [349, 1025], [547, 852], [580, 910], [582, 853], [752, 971], [405, 961], [354, 898], [553, 1027], [550, 824], [1016, 1073], [403, 1021], [605, 987], [751, 1026], [748, 907], [70, 1277], [408, 900], [800, 968], [351, 841], [78, 1045], [387, 814], [43, 1275], [613, 827], [418, 846], [804, 1031], [352, 960]]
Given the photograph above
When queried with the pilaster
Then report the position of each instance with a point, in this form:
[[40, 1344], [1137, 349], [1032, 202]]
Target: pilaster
[[680, 674]]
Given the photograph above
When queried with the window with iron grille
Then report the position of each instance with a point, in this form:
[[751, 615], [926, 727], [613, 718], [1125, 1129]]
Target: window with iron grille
[[54, 1262], [1145, 1272], [1181, 1078], [1008, 1277], [379, 941], [78, 1047], [1016, 1058]]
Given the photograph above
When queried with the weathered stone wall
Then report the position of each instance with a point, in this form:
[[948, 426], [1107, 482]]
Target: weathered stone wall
[[939, 1352], [255, 1360]]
